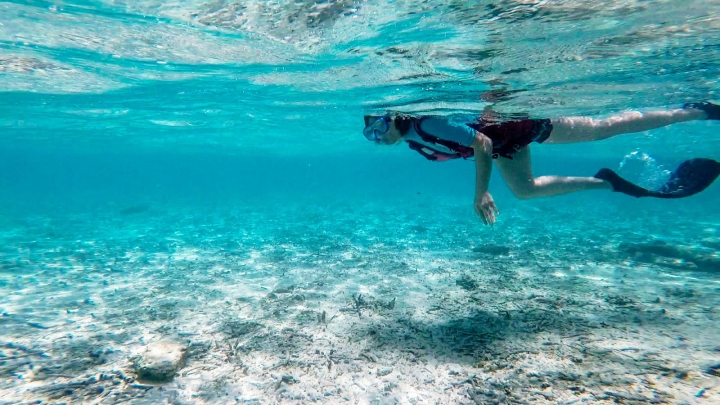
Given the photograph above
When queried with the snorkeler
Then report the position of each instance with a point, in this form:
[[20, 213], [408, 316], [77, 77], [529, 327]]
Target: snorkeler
[[509, 144]]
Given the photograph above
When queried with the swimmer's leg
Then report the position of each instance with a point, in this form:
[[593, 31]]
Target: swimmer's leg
[[517, 173], [587, 129]]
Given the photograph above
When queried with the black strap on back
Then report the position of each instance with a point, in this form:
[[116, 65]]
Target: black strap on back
[[461, 151], [434, 154]]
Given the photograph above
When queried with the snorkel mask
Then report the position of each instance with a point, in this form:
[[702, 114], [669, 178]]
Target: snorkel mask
[[376, 129]]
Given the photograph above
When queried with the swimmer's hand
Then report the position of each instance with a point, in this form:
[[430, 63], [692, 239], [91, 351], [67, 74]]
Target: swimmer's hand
[[485, 208]]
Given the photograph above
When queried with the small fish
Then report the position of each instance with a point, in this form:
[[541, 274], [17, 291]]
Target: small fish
[[138, 209], [495, 250]]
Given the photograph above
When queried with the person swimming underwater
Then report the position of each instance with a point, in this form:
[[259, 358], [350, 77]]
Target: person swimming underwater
[[508, 143]]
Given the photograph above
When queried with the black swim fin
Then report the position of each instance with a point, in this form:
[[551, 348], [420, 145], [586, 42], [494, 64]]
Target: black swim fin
[[711, 109], [621, 185], [690, 178]]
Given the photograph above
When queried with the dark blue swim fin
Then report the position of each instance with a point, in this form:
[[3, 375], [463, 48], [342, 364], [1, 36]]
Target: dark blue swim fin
[[711, 109], [690, 178]]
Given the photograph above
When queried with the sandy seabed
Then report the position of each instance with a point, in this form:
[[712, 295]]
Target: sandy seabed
[[360, 307]]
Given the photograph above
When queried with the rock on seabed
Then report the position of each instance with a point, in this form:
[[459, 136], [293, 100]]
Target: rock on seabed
[[160, 362]]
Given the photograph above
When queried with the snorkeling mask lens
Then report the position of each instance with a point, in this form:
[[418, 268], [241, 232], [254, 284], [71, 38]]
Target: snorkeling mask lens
[[377, 129]]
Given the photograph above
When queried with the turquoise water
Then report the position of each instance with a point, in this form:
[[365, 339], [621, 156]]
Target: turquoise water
[[195, 172]]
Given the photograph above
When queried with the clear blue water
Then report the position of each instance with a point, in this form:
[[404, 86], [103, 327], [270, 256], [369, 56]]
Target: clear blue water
[[161, 160]]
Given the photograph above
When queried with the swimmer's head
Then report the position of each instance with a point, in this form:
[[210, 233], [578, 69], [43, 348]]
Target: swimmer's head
[[387, 129]]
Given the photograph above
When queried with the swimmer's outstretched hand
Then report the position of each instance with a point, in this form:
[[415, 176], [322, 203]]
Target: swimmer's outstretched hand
[[485, 208]]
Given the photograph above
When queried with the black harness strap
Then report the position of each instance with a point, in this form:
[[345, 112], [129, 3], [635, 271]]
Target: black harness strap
[[434, 154], [461, 151]]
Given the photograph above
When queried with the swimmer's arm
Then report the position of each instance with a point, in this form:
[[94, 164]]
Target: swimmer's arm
[[484, 205], [483, 162]]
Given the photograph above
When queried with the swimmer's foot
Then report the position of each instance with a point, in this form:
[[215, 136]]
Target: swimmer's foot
[[621, 185], [711, 109], [690, 178]]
